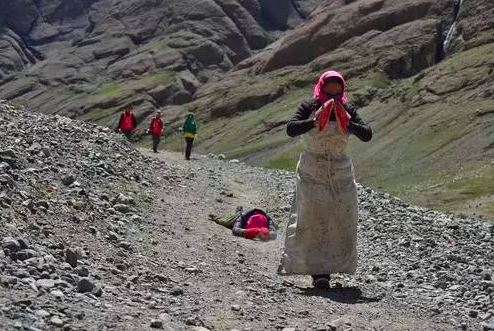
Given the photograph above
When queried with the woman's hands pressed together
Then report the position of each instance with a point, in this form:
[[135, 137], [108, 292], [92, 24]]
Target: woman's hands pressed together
[[323, 114]]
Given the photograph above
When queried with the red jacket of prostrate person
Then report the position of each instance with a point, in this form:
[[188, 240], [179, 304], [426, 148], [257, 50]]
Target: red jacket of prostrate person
[[156, 126], [127, 120], [254, 224]]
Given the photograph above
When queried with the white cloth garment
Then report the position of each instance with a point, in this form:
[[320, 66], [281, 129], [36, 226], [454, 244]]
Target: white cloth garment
[[321, 236]]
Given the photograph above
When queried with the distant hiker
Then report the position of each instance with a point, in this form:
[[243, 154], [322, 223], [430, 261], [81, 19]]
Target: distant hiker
[[156, 129], [254, 224], [189, 132], [321, 236], [127, 123]]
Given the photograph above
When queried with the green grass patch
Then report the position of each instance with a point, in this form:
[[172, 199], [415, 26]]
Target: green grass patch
[[158, 45], [121, 90], [152, 80], [377, 80], [415, 150], [288, 159], [123, 87], [428, 141], [110, 89], [99, 115], [470, 58], [474, 187], [256, 146], [146, 142], [251, 131]]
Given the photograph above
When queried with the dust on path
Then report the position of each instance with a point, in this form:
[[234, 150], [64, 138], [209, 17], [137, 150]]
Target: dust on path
[[237, 286]]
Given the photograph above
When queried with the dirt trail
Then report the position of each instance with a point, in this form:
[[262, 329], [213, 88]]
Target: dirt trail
[[237, 286], [97, 236]]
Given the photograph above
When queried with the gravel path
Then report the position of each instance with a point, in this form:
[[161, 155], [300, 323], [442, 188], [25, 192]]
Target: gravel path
[[99, 236]]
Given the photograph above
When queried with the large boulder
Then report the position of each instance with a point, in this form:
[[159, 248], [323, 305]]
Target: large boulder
[[256, 36], [19, 15], [329, 29], [392, 39]]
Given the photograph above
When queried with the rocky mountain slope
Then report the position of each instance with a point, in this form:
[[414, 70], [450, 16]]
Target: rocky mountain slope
[[96, 235], [421, 71], [88, 58]]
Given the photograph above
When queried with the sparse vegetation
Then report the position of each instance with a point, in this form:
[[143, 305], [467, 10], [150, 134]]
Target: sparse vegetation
[[412, 144], [287, 159]]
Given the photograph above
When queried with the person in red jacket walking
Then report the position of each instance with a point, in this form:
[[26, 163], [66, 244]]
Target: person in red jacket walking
[[156, 129], [127, 123]]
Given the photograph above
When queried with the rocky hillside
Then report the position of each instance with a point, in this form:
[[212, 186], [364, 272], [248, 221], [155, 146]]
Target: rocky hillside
[[88, 58], [421, 73], [96, 235]]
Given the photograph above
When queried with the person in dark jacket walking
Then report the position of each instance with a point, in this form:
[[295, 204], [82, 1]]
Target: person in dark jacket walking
[[254, 224], [189, 131], [321, 235], [156, 129], [127, 123]]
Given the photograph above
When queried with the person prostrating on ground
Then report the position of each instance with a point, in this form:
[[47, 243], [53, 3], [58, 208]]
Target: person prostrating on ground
[[254, 224]]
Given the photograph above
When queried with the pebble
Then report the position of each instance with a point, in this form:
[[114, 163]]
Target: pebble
[[25, 254], [56, 321], [125, 245], [156, 324], [67, 180], [23, 243], [71, 257], [58, 294], [97, 291], [85, 285], [45, 283], [42, 313], [81, 271], [176, 291], [124, 209], [135, 218], [487, 326]]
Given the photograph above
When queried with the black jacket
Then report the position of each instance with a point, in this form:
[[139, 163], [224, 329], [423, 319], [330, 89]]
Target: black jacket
[[302, 122], [241, 221]]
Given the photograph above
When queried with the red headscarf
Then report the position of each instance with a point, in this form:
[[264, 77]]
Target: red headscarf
[[342, 116]]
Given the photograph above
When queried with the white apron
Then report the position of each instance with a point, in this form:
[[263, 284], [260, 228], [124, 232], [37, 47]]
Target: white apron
[[321, 236]]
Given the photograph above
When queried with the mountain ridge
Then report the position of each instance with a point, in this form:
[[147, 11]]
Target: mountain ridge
[[392, 55]]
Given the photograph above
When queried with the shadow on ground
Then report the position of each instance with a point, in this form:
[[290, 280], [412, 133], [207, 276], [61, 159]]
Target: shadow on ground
[[350, 295]]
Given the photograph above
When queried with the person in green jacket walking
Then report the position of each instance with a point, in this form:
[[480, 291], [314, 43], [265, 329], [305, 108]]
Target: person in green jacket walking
[[189, 130]]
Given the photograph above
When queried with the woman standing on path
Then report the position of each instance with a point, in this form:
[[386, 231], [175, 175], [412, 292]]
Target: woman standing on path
[[189, 130], [321, 237]]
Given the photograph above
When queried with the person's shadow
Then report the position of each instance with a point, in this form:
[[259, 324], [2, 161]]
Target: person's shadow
[[350, 295]]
